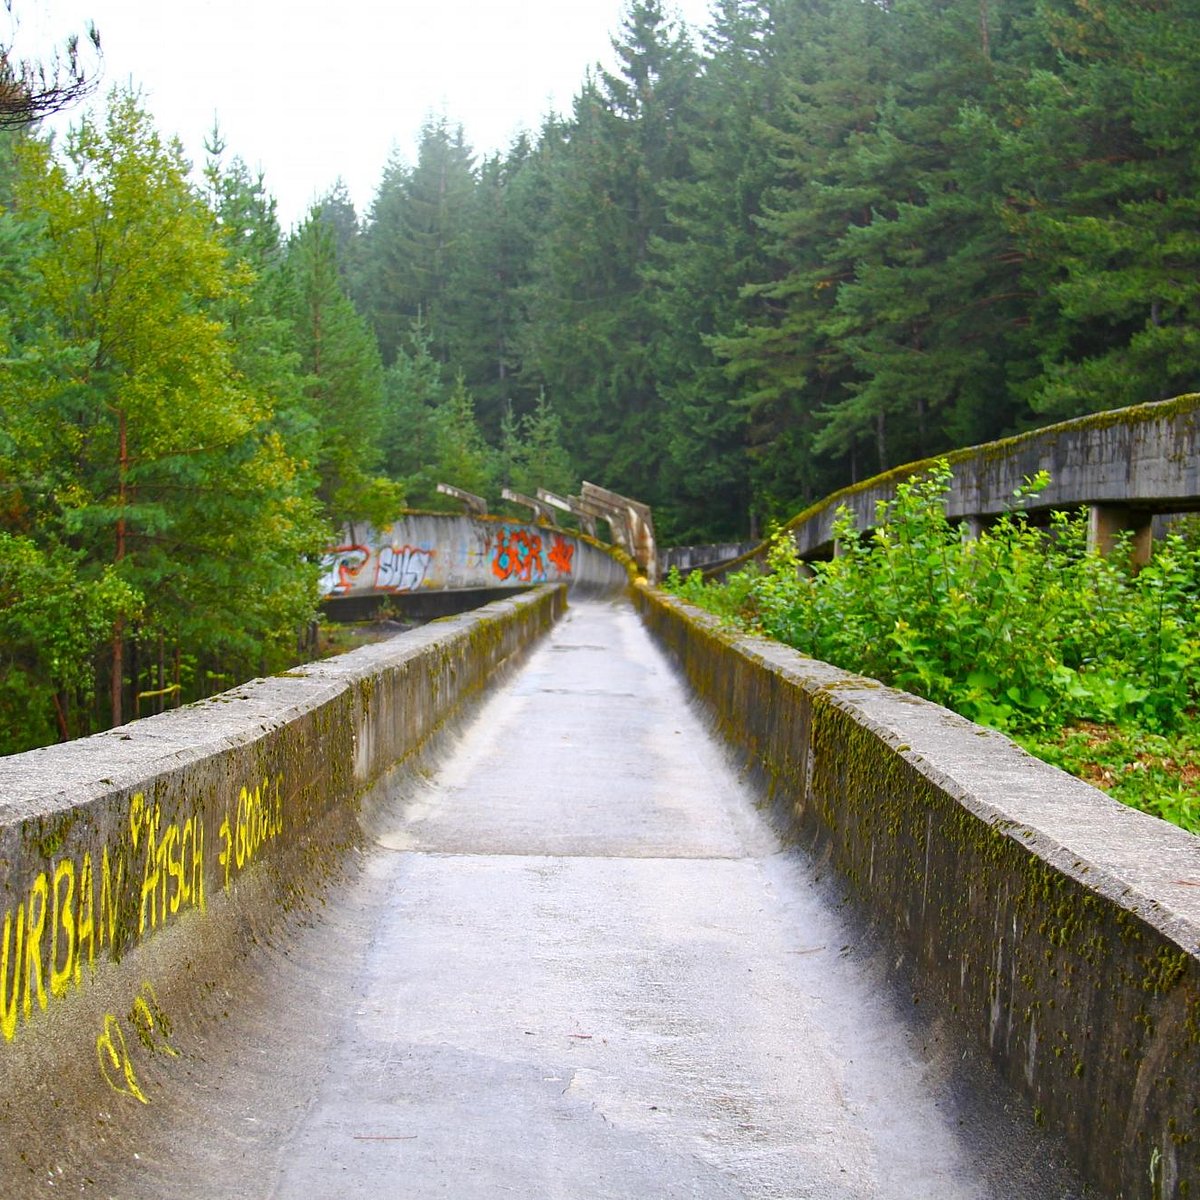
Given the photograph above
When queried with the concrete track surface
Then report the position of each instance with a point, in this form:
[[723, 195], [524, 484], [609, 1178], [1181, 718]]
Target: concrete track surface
[[573, 961]]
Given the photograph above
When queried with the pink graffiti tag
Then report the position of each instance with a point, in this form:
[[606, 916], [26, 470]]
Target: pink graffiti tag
[[518, 556], [341, 567], [561, 554]]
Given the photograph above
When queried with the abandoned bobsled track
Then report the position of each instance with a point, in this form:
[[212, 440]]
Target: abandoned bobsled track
[[378, 929]]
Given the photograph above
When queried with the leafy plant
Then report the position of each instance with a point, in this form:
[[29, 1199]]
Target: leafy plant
[[1023, 629]]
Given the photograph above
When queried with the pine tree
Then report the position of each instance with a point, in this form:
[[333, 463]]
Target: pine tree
[[711, 250], [1102, 201], [343, 379], [592, 328], [532, 454], [483, 308], [174, 462], [830, 73], [414, 238]]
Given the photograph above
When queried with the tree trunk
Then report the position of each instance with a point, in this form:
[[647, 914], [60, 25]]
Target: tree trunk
[[118, 637]]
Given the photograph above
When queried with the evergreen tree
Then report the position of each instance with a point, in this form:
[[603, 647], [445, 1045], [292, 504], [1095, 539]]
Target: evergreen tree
[[343, 378], [414, 237], [831, 80], [592, 327], [337, 211], [1102, 185], [713, 248], [413, 389], [483, 309], [532, 454], [173, 469], [383, 290]]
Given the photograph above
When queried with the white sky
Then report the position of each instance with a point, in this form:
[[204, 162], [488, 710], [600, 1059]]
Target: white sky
[[312, 91]]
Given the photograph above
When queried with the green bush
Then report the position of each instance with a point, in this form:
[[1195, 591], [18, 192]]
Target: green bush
[[1022, 629]]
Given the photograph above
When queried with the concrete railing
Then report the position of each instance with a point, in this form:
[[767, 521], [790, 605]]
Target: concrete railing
[[1124, 466], [137, 864], [686, 559], [1037, 920]]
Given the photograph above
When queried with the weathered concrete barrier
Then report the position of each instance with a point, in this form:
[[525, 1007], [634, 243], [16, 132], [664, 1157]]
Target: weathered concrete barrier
[[1124, 465], [422, 552], [1033, 915], [686, 559], [126, 880]]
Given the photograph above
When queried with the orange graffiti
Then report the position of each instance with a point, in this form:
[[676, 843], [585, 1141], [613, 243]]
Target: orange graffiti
[[561, 554], [518, 556]]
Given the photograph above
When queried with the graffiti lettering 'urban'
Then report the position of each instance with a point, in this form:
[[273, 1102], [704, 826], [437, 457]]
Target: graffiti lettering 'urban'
[[80, 906], [72, 909]]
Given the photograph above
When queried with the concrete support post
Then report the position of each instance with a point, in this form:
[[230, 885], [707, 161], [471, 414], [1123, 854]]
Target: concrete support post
[[970, 527], [587, 521], [638, 522], [542, 510], [617, 525], [474, 503], [1106, 522]]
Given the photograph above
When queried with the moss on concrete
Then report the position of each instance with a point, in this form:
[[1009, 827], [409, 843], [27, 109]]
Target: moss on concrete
[[1084, 997]]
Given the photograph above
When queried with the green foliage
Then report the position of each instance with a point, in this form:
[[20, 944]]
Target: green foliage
[[532, 454], [1157, 773], [149, 495], [461, 456], [50, 622], [343, 393], [1023, 629]]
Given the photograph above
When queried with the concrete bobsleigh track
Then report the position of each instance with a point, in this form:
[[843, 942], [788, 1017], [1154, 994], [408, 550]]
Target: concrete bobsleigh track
[[373, 928]]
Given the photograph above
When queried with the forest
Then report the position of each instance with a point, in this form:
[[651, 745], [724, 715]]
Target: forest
[[753, 263]]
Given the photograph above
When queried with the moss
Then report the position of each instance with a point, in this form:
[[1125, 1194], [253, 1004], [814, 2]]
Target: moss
[[46, 836], [988, 452], [1095, 973]]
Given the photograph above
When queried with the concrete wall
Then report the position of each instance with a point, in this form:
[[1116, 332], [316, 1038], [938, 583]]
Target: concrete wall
[[144, 837], [1146, 457], [1033, 916], [693, 558], [434, 551]]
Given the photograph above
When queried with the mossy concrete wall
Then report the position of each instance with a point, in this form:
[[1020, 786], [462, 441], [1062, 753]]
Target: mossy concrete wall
[[144, 837], [1031, 915], [1145, 458]]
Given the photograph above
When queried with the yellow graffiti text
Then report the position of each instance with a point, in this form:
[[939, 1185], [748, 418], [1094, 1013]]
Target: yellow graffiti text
[[152, 1030], [172, 866], [257, 820]]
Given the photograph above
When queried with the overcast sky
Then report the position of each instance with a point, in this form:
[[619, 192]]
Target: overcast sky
[[313, 91]]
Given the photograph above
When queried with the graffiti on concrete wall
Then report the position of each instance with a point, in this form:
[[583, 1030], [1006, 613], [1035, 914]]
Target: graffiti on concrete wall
[[172, 857], [341, 567], [152, 1031], [561, 554], [82, 905], [402, 568], [429, 552], [517, 554], [257, 820]]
